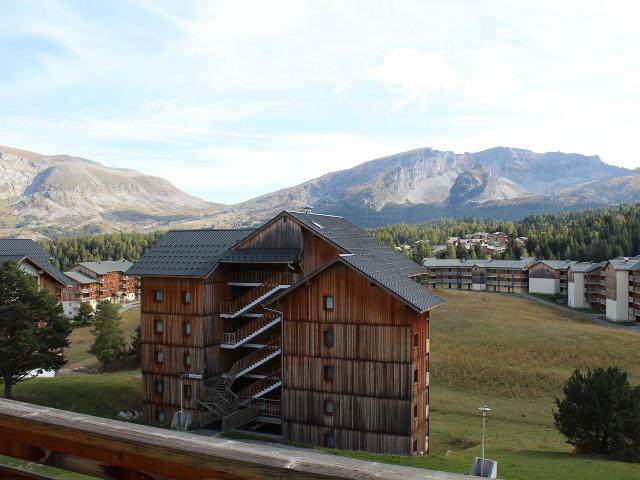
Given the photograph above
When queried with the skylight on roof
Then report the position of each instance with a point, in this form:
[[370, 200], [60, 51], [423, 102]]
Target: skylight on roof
[[317, 224]]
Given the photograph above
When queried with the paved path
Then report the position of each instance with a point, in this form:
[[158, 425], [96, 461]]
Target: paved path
[[586, 315]]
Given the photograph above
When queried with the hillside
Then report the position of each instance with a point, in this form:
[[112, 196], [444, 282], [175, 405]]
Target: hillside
[[424, 184], [43, 193]]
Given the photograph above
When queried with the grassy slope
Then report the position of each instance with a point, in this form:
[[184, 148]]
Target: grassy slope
[[506, 351], [81, 339], [513, 355]]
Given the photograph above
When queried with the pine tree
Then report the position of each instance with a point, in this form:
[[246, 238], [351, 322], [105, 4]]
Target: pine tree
[[109, 344], [33, 330], [85, 314]]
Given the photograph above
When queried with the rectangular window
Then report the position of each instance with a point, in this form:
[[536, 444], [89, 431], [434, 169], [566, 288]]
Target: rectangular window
[[186, 391], [328, 302], [415, 411], [415, 446], [159, 326], [328, 338], [187, 328], [415, 339], [160, 415], [159, 386], [157, 296], [328, 373], [186, 296], [187, 361], [159, 357], [329, 408], [329, 440], [415, 376]]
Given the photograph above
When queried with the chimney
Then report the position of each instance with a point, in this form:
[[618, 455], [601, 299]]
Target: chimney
[[307, 209]]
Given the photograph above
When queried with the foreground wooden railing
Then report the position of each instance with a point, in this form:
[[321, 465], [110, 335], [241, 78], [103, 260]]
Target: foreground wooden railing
[[119, 450]]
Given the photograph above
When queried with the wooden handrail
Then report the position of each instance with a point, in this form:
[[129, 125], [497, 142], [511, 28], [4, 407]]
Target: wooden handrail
[[280, 278], [253, 357], [247, 329], [250, 390], [112, 449]]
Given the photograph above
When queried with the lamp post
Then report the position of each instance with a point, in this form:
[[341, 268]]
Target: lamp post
[[485, 410]]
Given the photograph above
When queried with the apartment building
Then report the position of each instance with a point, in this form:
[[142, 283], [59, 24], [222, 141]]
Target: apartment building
[[307, 323], [35, 261], [93, 282], [549, 276]]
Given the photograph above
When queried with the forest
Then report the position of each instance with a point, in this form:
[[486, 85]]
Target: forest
[[67, 251], [587, 235]]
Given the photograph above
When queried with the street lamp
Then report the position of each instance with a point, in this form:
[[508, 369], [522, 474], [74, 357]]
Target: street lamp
[[480, 466], [485, 410]]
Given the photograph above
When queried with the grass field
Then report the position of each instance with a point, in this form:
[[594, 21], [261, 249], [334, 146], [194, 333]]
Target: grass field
[[506, 351], [81, 339]]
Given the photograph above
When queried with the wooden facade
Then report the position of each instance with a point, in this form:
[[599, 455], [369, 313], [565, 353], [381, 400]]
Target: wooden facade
[[350, 372]]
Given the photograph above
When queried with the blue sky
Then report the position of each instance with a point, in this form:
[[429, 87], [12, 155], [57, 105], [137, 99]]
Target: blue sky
[[231, 99]]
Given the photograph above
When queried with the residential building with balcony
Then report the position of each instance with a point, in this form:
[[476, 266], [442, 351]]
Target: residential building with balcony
[[549, 276], [307, 323]]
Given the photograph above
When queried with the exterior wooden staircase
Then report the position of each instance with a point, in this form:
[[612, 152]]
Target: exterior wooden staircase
[[249, 331], [253, 297]]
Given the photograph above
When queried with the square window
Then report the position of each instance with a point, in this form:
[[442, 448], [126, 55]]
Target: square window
[[187, 361], [329, 440], [157, 296], [160, 415], [328, 302], [186, 391], [159, 357], [329, 407], [159, 386], [186, 296], [187, 328], [328, 373], [415, 376], [159, 326], [328, 337]]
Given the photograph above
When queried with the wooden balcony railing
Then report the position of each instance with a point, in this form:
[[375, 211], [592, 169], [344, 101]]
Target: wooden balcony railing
[[107, 448], [231, 338], [256, 387], [257, 276], [268, 407]]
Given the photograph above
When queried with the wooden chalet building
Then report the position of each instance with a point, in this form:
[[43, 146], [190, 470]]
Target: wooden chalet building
[[34, 260], [307, 322], [549, 276]]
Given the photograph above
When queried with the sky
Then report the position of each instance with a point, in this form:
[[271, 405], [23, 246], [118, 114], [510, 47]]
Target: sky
[[232, 99]]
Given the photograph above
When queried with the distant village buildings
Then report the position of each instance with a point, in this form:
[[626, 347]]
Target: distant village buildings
[[611, 287], [93, 282]]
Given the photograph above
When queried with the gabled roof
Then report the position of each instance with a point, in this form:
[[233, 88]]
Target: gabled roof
[[19, 248], [411, 293], [585, 267], [352, 239], [80, 277], [187, 253], [625, 263], [522, 263], [107, 266], [558, 264], [261, 255]]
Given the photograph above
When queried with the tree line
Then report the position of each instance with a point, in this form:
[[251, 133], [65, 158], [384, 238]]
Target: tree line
[[68, 251], [587, 235]]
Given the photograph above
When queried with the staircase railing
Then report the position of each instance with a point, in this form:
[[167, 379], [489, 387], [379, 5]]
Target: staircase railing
[[252, 358], [249, 297], [256, 387], [248, 329], [240, 417]]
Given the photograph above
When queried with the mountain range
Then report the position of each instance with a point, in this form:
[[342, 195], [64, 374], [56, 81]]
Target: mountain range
[[49, 195]]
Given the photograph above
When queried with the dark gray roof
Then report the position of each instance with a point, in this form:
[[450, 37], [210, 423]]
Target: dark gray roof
[[261, 255], [107, 266], [410, 291], [622, 263], [352, 239], [558, 264], [376, 260], [80, 277], [12, 248], [187, 253], [522, 263]]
